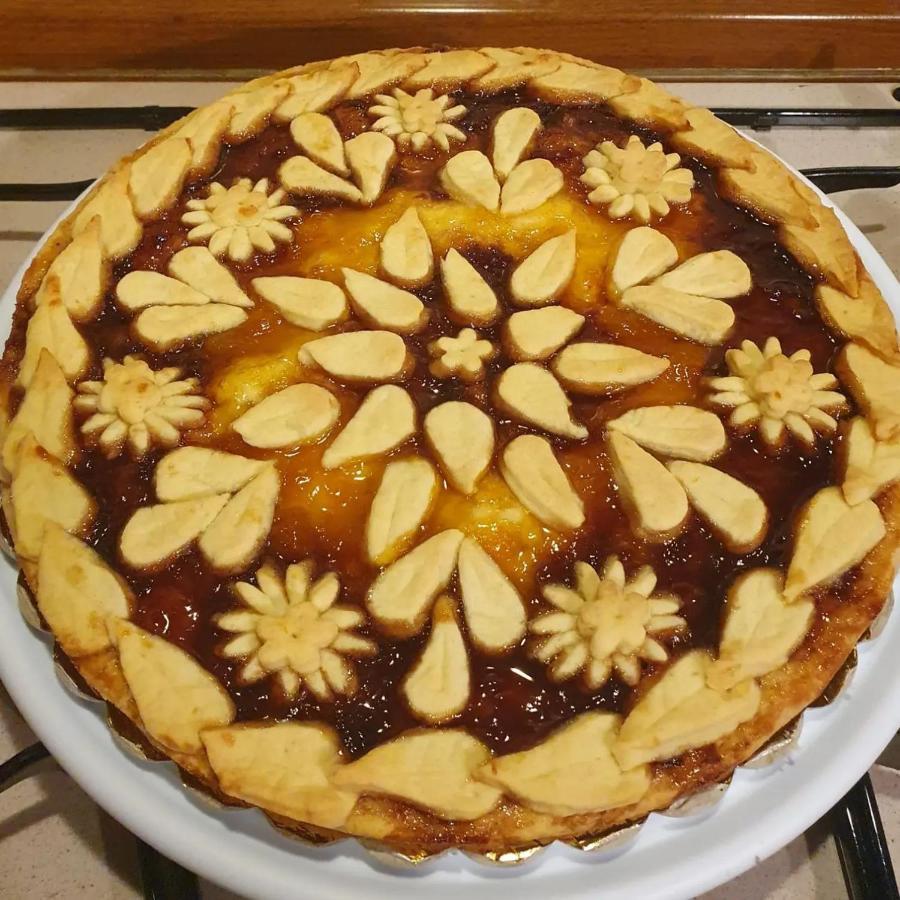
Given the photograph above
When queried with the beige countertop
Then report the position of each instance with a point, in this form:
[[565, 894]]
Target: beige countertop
[[54, 841]]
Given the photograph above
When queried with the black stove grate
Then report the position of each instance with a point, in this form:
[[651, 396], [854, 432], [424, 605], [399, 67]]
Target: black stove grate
[[855, 821]]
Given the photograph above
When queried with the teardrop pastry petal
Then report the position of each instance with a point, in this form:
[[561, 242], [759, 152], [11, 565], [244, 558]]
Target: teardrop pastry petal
[[310, 303], [471, 298], [406, 256], [535, 476], [495, 614], [643, 254], [438, 684], [720, 274], [302, 176], [236, 535], [383, 305], [531, 394], [702, 319], [200, 270], [538, 333], [469, 178], [191, 472], [317, 136], [140, 289], [371, 157], [597, 369], [541, 277], [155, 535], [529, 185], [735, 512], [653, 496], [512, 136], [296, 415], [401, 503], [685, 432], [164, 328], [383, 421], [359, 356], [462, 437], [400, 597]]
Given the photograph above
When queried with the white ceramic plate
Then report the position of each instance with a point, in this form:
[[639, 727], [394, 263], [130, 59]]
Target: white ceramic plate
[[671, 858]]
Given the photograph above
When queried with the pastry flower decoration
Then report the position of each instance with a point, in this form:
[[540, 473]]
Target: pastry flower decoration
[[417, 120], [293, 628], [239, 220], [636, 179], [779, 393], [136, 406], [605, 622], [462, 356]]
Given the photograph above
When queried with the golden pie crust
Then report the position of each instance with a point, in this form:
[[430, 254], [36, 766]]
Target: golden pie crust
[[332, 382]]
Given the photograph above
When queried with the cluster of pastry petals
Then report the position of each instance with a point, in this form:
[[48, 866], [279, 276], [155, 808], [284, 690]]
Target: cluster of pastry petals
[[409, 591], [504, 182], [355, 170], [198, 297], [461, 434], [221, 502], [658, 495], [686, 298]]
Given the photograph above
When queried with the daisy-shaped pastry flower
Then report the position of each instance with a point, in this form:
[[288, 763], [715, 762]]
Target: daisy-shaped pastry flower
[[779, 393], [636, 179], [605, 622], [136, 406], [239, 220], [417, 120], [293, 628]]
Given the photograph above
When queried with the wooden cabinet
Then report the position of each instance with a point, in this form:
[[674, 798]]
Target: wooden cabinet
[[236, 36]]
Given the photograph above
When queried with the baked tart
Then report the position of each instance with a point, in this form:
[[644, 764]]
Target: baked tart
[[470, 448]]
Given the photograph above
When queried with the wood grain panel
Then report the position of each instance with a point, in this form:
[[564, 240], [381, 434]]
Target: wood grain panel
[[229, 35]]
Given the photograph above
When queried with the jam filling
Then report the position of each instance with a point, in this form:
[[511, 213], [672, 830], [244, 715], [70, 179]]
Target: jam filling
[[513, 703]]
